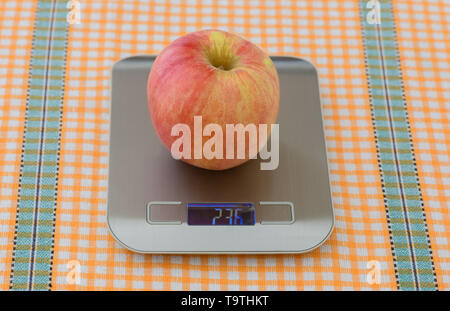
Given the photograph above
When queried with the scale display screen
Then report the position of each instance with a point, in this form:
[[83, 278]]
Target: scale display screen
[[220, 214]]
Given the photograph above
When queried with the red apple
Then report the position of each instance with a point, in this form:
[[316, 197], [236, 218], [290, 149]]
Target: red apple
[[220, 77]]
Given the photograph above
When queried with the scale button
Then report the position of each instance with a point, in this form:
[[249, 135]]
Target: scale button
[[163, 213], [276, 213]]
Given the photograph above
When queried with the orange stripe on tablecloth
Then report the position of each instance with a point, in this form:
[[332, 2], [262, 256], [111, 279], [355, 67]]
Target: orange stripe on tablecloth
[[426, 118], [16, 18]]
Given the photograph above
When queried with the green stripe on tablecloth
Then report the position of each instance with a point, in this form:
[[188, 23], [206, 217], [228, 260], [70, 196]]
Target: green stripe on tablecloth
[[36, 206], [413, 260]]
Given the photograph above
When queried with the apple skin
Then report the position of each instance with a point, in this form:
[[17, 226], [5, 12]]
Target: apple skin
[[219, 76]]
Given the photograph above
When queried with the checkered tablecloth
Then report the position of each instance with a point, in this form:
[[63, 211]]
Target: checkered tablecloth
[[385, 90]]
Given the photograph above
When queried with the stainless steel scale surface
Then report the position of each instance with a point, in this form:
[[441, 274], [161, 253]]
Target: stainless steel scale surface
[[149, 191]]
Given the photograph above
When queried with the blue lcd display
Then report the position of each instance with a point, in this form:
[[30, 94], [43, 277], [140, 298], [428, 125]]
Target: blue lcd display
[[221, 214]]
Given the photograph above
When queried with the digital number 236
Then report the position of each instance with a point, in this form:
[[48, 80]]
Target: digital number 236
[[230, 215]]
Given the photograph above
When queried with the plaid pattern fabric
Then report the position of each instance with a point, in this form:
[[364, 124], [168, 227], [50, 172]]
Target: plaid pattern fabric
[[396, 158], [32, 256], [331, 34]]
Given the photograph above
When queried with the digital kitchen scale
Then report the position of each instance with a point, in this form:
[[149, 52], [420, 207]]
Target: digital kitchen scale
[[157, 204]]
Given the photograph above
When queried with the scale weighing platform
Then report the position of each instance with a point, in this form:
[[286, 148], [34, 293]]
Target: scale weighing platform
[[160, 205]]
